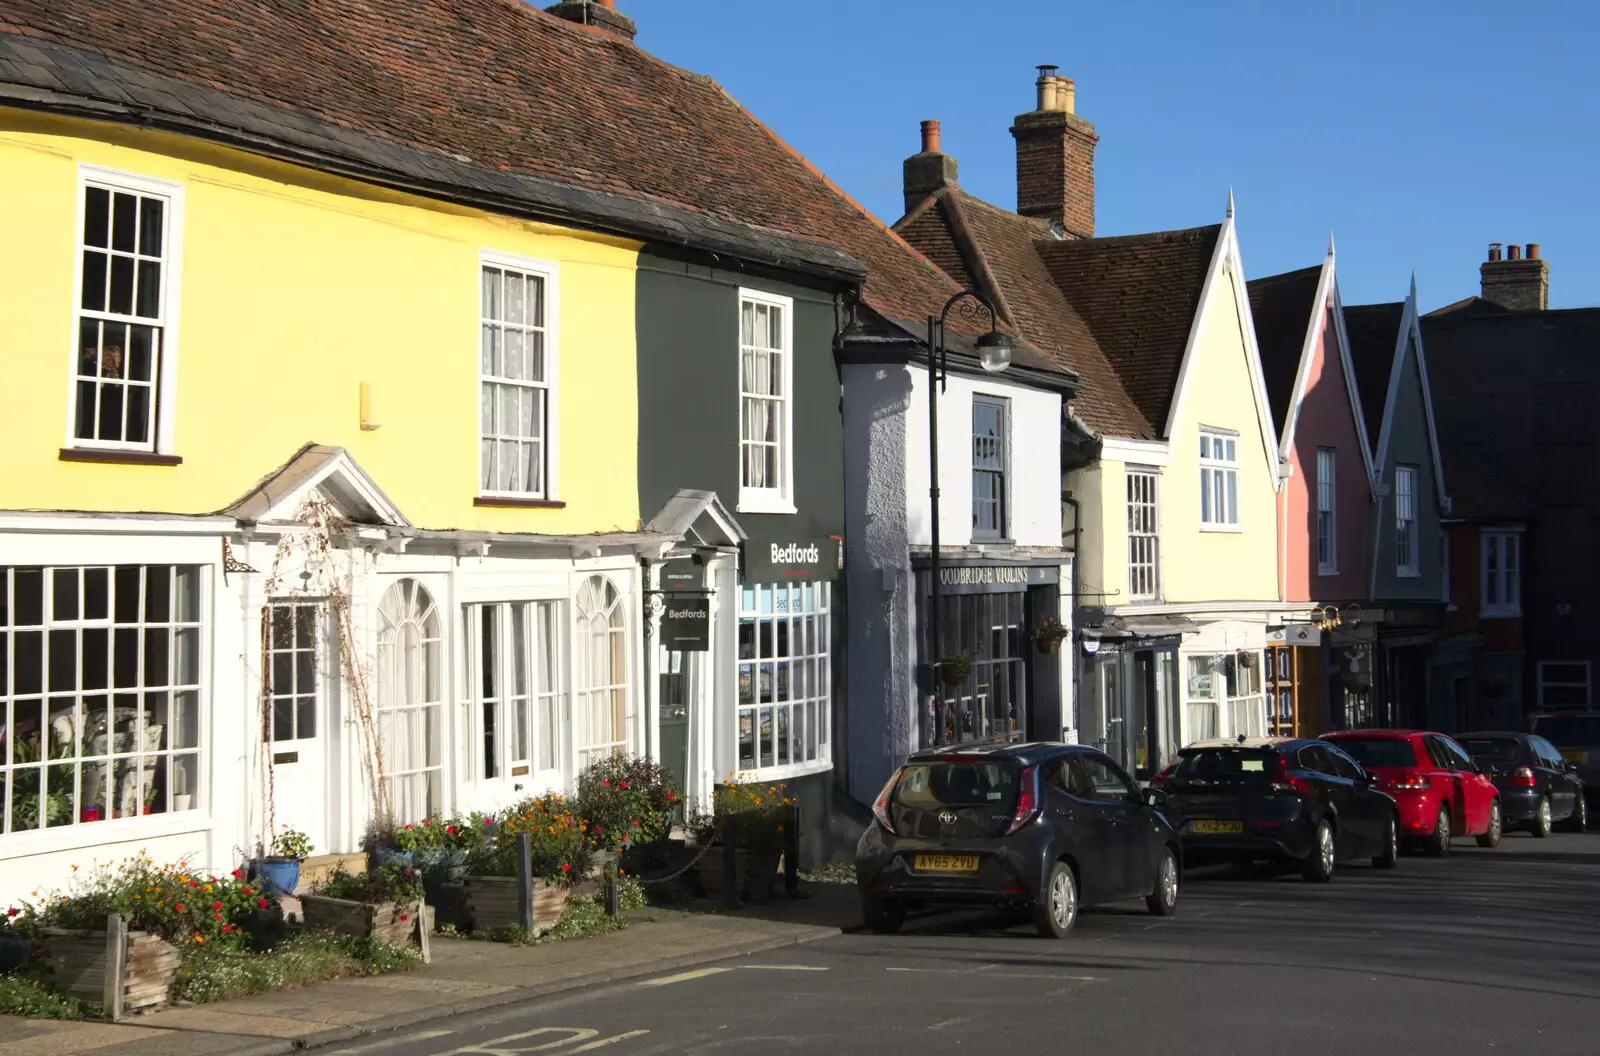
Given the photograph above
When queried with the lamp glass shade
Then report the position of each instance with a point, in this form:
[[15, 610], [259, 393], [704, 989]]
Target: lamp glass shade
[[994, 351]]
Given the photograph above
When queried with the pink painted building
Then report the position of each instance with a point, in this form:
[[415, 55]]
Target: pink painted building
[[1325, 498]]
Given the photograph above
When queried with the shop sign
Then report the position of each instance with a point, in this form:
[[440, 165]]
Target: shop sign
[[992, 579], [1297, 634], [683, 575], [686, 624], [785, 560]]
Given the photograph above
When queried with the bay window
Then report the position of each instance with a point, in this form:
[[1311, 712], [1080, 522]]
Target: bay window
[[785, 675]]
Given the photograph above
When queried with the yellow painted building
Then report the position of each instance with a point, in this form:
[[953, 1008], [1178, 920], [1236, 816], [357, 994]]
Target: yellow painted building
[[290, 297]]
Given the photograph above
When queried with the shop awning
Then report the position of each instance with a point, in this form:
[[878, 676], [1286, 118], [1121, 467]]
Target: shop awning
[[1153, 626]]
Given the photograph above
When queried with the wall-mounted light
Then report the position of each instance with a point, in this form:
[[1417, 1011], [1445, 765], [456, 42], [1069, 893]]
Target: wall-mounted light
[[1091, 645], [369, 414]]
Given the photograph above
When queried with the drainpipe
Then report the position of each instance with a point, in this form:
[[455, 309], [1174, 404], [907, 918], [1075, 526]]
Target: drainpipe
[[1077, 679]]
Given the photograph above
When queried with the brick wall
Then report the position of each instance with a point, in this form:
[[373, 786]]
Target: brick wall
[[1055, 169]]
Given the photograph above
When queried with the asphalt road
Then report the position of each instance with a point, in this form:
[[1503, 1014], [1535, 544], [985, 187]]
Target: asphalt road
[[1484, 952]]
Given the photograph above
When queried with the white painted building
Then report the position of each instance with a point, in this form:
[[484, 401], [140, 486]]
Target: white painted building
[[1004, 569]]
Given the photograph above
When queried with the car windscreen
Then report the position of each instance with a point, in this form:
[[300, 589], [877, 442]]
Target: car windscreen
[[1224, 768], [1379, 751], [1569, 731], [958, 783], [1490, 749]]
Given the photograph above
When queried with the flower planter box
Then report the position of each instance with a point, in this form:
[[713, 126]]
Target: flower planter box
[[391, 922], [490, 902], [757, 872], [141, 967]]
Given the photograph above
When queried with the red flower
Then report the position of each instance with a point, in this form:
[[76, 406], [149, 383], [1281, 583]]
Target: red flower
[[246, 891], [238, 874], [216, 905], [260, 902], [488, 821], [565, 868], [177, 907], [624, 784], [194, 883], [424, 821], [451, 829], [405, 917], [216, 916], [605, 783], [226, 928], [11, 912], [409, 825], [671, 795], [636, 824]]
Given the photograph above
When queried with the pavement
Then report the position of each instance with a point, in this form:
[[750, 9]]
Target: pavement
[[1487, 951], [464, 977]]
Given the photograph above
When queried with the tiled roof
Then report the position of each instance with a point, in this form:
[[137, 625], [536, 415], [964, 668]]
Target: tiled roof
[[1281, 306], [493, 97], [1139, 295], [1374, 331]]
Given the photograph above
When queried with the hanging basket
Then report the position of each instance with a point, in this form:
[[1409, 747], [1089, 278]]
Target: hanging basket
[[1049, 635], [955, 669]]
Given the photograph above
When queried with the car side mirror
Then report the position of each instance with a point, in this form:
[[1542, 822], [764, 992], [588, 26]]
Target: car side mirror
[[1572, 767], [1154, 798], [1369, 778]]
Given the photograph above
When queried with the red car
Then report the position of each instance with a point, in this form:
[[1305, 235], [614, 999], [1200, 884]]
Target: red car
[[1440, 790]]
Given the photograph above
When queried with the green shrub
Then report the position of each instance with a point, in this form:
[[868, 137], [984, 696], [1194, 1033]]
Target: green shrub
[[556, 834], [624, 799], [397, 881], [21, 995], [173, 901], [214, 975], [761, 813]]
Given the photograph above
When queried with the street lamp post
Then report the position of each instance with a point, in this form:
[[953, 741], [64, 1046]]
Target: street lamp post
[[994, 355]]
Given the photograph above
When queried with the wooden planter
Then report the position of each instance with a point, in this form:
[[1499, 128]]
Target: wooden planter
[[757, 872], [381, 920], [122, 970], [490, 902]]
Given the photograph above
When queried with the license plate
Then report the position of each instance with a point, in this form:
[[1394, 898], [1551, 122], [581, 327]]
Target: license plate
[[1207, 825], [1573, 755], [947, 863]]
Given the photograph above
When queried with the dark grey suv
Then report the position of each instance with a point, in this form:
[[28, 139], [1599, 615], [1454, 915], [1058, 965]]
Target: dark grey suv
[[1040, 828]]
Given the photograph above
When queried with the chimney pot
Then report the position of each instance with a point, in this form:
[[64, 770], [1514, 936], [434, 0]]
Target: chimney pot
[[1514, 251], [1520, 283], [930, 137], [610, 5], [1533, 251], [1494, 251], [600, 14]]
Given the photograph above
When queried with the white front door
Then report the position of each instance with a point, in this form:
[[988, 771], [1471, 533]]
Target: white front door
[[301, 673]]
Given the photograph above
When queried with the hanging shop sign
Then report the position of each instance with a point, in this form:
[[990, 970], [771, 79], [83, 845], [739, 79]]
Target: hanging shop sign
[[990, 579], [686, 624], [791, 560], [683, 575], [1296, 634]]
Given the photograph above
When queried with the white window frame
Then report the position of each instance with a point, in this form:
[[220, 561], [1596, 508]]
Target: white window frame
[[597, 629], [301, 610], [1214, 469], [1587, 683], [1144, 513], [781, 498], [165, 376], [550, 272], [818, 693], [1507, 580], [100, 751], [543, 725], [1327, 498], [1407, 527], [1002, 406]]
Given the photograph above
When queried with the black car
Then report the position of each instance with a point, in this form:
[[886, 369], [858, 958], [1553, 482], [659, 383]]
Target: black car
[[1577, 735], [1537, 786], [1279, 798], [1040, 828]]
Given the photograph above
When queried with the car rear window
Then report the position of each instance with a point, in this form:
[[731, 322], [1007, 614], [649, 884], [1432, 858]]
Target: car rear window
[[1379, 751], [964, 783], [1572, 731], [1224, 768], [1494, 749]]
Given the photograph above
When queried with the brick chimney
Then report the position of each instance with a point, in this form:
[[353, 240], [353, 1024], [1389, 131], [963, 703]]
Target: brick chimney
[[1518, 282], [601, 14], [1055, 157], [930, 170]]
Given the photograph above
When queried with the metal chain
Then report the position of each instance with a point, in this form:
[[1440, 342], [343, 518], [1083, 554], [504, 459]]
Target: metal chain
[[678, 872]]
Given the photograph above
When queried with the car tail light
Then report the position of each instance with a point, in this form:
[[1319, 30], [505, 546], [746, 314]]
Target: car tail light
[[1283, 781], [1411, 781], [1522, 777], [1160, 779], [880, 806], [1027, 800]]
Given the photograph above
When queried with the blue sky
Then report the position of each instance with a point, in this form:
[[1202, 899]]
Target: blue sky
[[1418, 132]]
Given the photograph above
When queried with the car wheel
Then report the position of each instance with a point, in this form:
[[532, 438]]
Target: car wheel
[[1579, 821], [1437, 843], [883, 916], [1057, 911], [1163, 901], [1541, 820], [1391, 846], [1491, 836], [1317, 866]]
